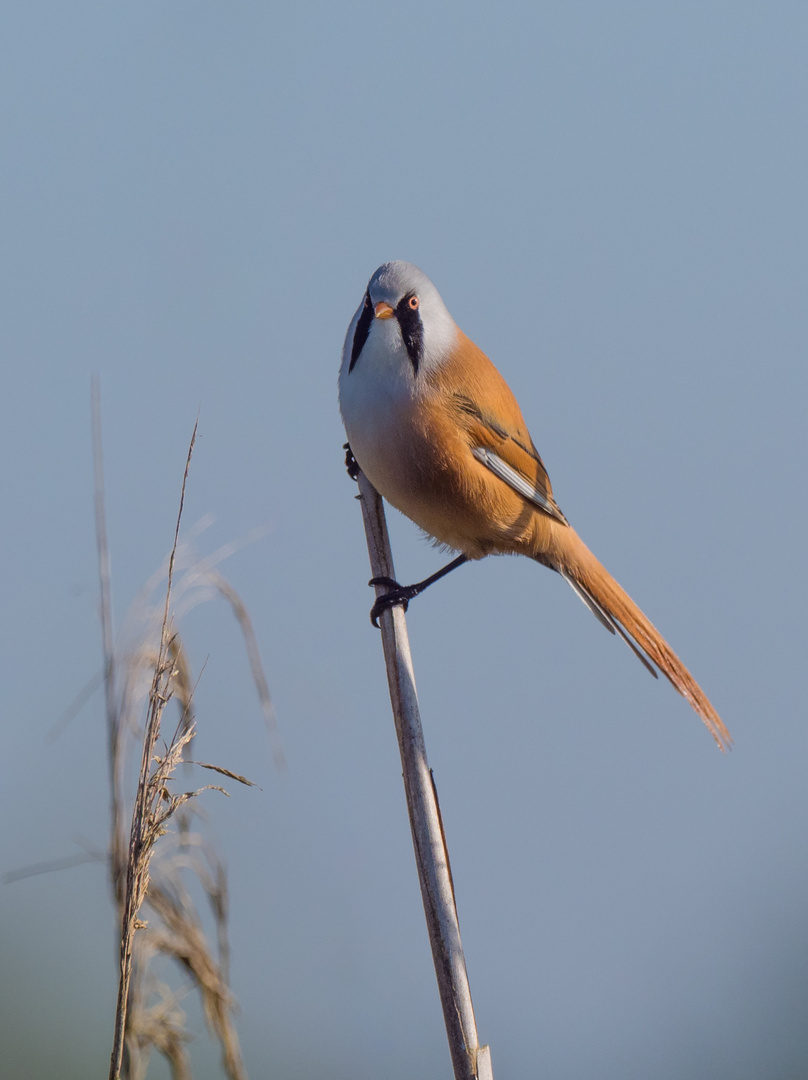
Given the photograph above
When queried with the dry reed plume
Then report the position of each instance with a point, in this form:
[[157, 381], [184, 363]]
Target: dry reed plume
[[144, 876]]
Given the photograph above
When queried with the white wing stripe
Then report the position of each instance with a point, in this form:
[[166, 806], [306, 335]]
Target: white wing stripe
[[513, 479]]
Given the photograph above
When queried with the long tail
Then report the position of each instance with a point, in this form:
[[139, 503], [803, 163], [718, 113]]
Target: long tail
[[615, 609]]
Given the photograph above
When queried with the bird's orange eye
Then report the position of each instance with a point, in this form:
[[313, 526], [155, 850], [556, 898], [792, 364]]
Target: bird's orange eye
[[413, 303]]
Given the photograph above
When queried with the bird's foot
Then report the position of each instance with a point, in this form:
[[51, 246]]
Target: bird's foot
[[351, 464], [398, 594]]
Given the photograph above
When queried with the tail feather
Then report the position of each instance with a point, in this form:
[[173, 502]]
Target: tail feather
[[605, 619], [615, 609]]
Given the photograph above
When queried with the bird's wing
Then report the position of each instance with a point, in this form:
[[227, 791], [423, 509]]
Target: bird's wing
[[510, 455], [528, 489]]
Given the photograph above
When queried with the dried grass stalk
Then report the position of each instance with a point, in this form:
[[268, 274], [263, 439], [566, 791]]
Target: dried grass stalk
[[149, 878], [154, 803]]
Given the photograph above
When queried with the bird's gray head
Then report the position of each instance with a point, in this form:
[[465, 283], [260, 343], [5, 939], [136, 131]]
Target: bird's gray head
[[401, 320]]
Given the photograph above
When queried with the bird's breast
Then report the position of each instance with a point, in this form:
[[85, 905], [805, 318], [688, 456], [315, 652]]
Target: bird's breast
[[414, 443], [414, 453]]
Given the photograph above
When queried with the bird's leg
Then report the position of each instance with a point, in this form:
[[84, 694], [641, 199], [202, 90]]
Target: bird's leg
[[398, 594], [402, 594], [351, 464]]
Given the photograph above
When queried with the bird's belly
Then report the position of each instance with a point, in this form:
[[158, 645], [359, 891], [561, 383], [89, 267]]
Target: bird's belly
[[387, 461], [439, 485]]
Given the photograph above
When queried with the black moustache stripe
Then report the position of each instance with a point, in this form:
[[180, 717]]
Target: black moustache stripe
[[362, 331], [412, 330]]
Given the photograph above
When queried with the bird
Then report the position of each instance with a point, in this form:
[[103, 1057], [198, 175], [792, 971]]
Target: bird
[[435, 428]]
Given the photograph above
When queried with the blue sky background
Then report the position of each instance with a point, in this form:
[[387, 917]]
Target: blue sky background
[[611, 199]]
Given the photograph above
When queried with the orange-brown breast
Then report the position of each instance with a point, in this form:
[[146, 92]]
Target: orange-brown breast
[[443, 487]]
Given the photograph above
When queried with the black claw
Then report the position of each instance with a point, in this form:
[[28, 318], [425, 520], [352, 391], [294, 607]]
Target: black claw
[[398, 594], [351, 464], [402, 594]]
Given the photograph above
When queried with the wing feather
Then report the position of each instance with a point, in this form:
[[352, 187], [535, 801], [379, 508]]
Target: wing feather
[[530, 490], [509, 454]]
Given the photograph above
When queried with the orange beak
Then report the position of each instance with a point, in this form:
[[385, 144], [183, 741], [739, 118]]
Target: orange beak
[[383, 311]]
